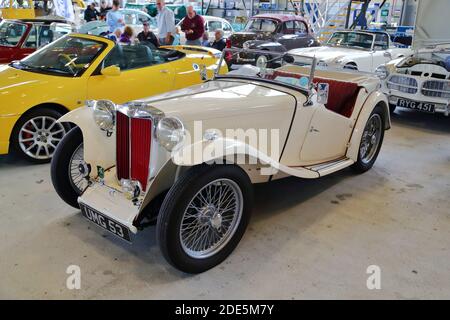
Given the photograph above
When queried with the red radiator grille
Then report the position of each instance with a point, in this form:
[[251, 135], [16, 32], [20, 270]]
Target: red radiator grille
[[133, 137], [141, 134], [122, 146]]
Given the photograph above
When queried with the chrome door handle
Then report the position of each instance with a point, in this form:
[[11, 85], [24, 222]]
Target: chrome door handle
[[164, 71]]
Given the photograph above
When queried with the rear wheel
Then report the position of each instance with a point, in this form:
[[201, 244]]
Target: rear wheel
[[371, 141], [68, 169], [37, 134], [204, 216]]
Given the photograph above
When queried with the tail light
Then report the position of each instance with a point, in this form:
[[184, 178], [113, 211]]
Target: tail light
[[228, 43], [133, 143]]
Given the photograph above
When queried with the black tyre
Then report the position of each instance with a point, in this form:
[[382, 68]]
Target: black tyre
[[371, 141], [67, 178], [37, 134], [204, 216]]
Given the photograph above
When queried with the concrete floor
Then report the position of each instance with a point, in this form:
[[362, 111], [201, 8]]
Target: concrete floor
[[307, 239]]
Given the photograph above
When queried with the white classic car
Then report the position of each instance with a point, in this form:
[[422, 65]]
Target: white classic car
[[421, 81], [186, 160], [359, 50]]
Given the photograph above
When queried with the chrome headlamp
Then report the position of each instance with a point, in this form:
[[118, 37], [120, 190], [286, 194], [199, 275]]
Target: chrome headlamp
[[382, 72], [104, 113], [246, 45], [170, 132], [131, 188]]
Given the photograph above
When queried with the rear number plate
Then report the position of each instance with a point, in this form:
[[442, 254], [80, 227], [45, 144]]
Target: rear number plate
[[105, 222]]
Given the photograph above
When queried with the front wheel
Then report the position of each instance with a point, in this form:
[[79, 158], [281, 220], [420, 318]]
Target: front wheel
[[68, 169], [371, 141], [204, 216], [37, 134]]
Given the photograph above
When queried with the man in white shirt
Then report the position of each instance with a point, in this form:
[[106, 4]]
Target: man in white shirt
[[165, 20]]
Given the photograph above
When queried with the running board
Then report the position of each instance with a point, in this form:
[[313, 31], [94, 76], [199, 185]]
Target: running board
[[332, 166]]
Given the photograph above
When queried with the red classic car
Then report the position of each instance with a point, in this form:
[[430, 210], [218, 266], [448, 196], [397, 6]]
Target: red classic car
[[19, 38]]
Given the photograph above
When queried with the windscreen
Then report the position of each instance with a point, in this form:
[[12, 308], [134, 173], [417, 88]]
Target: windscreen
[[283, 68]]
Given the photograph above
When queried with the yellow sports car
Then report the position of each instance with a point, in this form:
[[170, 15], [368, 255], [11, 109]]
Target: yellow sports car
[[37, 90]]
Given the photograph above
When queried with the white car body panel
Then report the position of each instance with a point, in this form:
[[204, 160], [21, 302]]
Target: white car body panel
[[431, 26], [365, 60]]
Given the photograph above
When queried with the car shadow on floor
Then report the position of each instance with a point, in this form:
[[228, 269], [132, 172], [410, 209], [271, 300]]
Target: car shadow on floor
[[13, 160], [271, 199], [426, 122]]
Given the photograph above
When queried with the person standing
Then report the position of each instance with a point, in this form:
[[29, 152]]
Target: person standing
[[166, 23], [104, 8], [146, 35], [193, 26], [114, 18], [219, 42], [91, 14]]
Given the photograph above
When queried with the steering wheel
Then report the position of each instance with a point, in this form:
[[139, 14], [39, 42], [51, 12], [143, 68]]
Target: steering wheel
[[67, 61]]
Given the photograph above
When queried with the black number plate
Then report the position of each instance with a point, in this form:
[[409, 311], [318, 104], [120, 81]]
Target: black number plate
[[421, 106], [105, 222]]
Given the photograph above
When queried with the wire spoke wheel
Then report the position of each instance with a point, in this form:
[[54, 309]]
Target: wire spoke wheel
[[39, 136], [76, 176], [371, 138], [211, 218]]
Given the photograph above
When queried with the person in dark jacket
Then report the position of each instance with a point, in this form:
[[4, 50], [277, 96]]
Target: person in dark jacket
[[91, 14], [219, 42], [193, 26], [146, 35]]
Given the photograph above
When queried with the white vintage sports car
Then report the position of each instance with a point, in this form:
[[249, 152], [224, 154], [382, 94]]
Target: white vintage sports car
[[421, 81], [359, 50], [186, 160]]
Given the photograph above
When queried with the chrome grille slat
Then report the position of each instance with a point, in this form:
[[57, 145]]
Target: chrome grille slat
[[403, 84], [436, 89]]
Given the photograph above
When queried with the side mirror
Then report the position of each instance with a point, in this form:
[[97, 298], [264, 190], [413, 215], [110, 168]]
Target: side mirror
[[111, 71], [387, 54], [322, 93]]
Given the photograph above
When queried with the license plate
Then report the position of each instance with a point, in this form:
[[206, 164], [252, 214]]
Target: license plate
[[105, 222], [421, 106]]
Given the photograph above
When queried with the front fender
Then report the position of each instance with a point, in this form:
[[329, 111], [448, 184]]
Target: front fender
[[374, 99], [99, 149], [224, 150], [267, 45]]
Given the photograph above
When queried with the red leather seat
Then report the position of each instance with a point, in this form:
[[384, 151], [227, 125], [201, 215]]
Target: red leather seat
[[341, 96]]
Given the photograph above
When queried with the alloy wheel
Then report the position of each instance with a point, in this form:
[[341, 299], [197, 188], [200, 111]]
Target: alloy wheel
[[39, 136]]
